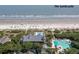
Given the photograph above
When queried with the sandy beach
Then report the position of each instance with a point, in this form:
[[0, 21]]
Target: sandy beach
[[40, 24], [40, 21]]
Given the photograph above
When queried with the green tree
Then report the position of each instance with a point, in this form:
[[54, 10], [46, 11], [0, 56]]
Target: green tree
[[7, 46], [1, 33], [71, 51], [27, 45], [57, 31]]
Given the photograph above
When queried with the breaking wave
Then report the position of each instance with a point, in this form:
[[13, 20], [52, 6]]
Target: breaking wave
[[37, 16]]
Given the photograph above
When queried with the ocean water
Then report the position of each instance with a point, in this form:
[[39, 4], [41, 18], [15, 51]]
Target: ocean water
[[37, 11]]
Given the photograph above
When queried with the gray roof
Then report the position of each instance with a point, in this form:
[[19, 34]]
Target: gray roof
[[4, 39], [31, 37]]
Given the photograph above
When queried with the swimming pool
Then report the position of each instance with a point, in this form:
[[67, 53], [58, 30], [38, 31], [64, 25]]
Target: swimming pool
[[61, 42]]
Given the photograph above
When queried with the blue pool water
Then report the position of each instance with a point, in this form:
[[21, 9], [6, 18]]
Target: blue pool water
[[65, 44]]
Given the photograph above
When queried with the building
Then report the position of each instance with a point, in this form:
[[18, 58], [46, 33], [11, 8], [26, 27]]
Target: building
[[37, 37], [4, 39], [39, 33]]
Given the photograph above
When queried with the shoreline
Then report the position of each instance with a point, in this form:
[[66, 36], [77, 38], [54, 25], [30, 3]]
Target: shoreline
[[40, 21]]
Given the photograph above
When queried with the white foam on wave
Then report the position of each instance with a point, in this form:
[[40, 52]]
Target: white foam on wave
[[37, 16]]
